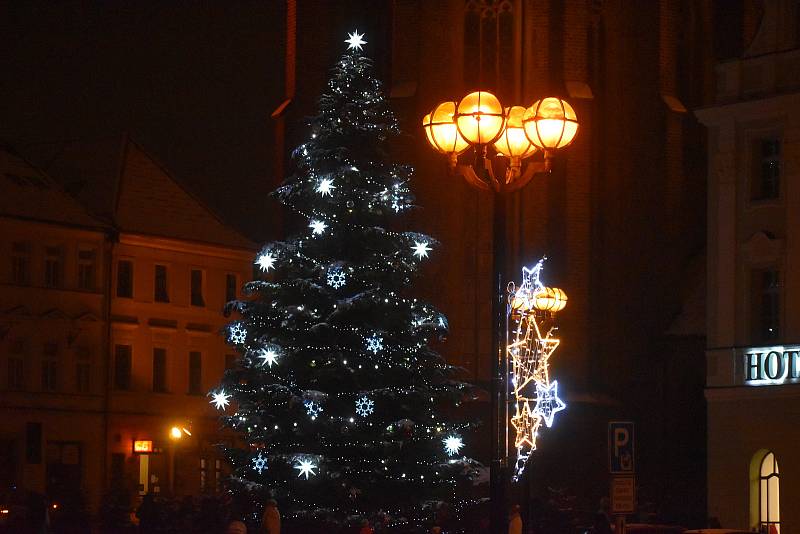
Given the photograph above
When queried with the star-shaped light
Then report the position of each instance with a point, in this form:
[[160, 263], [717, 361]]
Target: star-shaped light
[[317, 227], [268, 357], [325, 186], [266, 261], [355, 40], [305, 467], [421, 249], [547, 402], [452, 444], [220, 399]]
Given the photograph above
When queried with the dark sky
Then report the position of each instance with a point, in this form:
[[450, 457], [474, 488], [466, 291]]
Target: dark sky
[[193, 82]]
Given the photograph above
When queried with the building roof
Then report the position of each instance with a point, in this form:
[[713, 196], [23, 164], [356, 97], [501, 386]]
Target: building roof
[[115, 178], [29, 193]]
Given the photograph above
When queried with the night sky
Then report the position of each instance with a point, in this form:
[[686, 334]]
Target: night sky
[[194, 83]]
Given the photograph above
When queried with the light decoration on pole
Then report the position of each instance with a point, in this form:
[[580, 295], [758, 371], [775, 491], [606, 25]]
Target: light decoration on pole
[[514, 133], [531, 318]]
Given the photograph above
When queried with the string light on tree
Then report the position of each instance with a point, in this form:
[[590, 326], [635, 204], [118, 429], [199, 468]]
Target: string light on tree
[[220, 399], [531, 309], [259, 463], [305, 467], [364, 406], [452, 444]]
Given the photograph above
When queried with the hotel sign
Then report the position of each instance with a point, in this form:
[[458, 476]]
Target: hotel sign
[[764, 366]]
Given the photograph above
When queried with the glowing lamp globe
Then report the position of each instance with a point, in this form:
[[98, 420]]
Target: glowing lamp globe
[[551, 299], [441, 130], [175, 433], [550, 123], [513, 143], [480, 118], [520, 303]]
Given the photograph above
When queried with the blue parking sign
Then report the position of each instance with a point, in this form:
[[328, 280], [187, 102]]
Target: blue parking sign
[[620, 447]]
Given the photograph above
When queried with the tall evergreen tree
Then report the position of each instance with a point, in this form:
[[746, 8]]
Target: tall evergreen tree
[[344, 407]]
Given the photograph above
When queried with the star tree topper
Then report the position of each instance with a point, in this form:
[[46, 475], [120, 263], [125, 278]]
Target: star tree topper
[[355, 41]]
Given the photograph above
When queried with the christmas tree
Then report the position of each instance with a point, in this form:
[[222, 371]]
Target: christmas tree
[[344, 407]]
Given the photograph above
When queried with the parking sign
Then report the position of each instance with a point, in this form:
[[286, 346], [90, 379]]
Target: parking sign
[[620, 447]]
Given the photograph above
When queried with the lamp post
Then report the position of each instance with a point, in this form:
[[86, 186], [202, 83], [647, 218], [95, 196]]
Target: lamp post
[[499, 135], [175, 434]]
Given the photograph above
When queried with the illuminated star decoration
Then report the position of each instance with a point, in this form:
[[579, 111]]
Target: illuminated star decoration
[[266, 261], [317, 227], [259, 463], [355, 40], [220, 399], [305, 467], [336, 277], [452, 444], [313, 409], [268, 357], [533, 342], [421, 249], [325, 186], [375, 343], [364, 406], [238, 334], [547, 402]]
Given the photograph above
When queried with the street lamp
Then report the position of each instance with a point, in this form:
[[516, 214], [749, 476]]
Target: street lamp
[[499, 135], [176, 433]]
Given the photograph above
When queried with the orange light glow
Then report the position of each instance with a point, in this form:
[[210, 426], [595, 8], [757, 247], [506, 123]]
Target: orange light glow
[[175, 433], [440, 128], [513, 143], [550, 123], [480, 118]]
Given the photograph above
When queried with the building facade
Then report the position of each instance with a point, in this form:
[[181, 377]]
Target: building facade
[[149, 329], [752, 357]]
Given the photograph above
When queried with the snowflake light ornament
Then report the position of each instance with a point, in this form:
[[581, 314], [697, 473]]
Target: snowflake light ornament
[[305, 467], [313, 409], [325, 187], [375, 343], [259, 463], [452, 444], [237, 333], [317, 227], [220, 399], [364, 406], [336, 277], [265, 261]]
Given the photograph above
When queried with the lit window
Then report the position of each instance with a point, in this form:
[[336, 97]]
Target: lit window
[[769, 496], [766, 174]]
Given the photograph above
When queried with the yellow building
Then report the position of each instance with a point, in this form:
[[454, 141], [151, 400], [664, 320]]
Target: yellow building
[[53, 274], [170, 266], [753, 354]]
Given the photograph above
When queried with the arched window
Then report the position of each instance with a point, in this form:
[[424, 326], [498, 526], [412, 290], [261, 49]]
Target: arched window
[[769, 495]]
